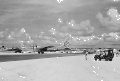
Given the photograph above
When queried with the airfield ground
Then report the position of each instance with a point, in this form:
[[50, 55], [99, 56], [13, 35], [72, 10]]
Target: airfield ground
[[57, 67]]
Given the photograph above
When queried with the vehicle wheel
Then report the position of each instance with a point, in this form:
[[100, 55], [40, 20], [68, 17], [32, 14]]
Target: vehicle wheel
[[38, 52], [95, 59], [67, 52], [106, 59], [42, 52], [110, 59]]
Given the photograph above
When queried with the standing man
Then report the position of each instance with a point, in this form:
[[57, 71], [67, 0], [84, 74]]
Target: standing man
[[86, 53]]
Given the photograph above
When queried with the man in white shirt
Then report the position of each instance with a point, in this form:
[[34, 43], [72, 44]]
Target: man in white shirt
[[98, 52]]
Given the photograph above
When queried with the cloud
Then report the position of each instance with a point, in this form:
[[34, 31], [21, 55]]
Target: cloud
[[72, 29], [58, 33], [112, 22], [42, 33], [79, 40], [84, 28], [29, 41], [50, 41], [53, 31], [60, 21], [19, 41], [46, 39], [23, 30], [88, 40], [1, 34], [111, 37], [72, 24], [17, 36], [10, 37]]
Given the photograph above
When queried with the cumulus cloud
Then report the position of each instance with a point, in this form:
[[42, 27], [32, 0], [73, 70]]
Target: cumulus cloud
[[57, 33], [18, 41], [23, 30], [111, 37], [71, 30], [72, 24], [30, 41], [1, 34], [46, 39], [84, 40], [42, 33], [60, 21], [18, 36], [50, 41], [4, 33], [53, 31], [112, 22], [78, 29], [84, 28], [10, 37]]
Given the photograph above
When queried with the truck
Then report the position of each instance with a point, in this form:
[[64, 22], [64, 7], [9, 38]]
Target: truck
[[106, 54]]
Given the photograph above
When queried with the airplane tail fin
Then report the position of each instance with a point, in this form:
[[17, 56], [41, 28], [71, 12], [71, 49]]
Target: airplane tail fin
[[65, 44]]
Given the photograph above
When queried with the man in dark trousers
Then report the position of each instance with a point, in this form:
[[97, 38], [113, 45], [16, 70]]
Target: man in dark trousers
[[110, 54], [86, 53]]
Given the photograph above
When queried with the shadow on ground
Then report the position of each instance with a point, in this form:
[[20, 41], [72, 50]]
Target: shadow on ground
[[5, 58]]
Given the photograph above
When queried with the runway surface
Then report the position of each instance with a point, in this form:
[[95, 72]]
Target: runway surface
[[4, 57], [57, 67]]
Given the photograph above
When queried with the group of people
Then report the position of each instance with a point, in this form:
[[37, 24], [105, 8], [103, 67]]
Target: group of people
[[116, 52], [102, 52]]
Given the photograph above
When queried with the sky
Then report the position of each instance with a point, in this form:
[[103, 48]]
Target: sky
[[80, 22]]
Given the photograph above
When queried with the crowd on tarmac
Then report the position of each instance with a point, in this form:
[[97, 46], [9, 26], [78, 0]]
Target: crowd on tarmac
[[108, 51], [105, 52]]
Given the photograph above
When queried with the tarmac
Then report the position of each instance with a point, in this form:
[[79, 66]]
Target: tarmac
[[59, 67]]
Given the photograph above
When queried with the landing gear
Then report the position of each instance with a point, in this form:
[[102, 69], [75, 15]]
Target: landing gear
[[40, 52]]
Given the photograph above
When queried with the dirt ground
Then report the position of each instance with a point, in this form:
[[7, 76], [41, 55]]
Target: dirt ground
[[71, 68]]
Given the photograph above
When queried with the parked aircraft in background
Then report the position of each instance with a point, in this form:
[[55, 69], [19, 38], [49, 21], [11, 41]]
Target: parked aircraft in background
[[67, 48], [16, 50], [43, 49]]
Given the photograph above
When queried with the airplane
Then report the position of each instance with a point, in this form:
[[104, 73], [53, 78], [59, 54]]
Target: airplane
[[63, 48], [65, 45], [43, 49], [16, 50]]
